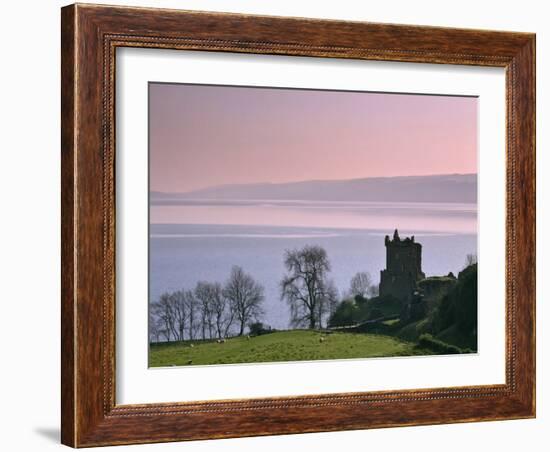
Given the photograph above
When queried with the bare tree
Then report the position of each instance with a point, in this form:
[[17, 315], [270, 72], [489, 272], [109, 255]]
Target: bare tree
[[203, 293], [333, 298], [155, 325], [219, 314], [471, 259], [180, 314], [192, 306], [361, 284], [328, 303], [374, 290], [245, 297], [305, 287], [164, 312], [219, 305]]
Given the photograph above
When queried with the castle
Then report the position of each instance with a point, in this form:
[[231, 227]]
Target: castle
[[403, 267]]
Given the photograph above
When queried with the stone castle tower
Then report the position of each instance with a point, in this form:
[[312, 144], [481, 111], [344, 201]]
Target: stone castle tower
[[403, 267]]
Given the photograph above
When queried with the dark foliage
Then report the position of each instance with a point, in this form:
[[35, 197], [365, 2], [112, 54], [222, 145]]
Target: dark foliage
[[429, 342], [459, 307], [360, 309], [347, 313], [259, 328]]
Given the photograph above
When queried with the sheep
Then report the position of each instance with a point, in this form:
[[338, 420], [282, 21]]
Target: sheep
[[322, 339]]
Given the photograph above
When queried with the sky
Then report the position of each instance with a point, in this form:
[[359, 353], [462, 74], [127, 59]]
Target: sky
[[202, 136]]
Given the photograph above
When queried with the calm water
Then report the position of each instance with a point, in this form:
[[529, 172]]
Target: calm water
[[200, 240]]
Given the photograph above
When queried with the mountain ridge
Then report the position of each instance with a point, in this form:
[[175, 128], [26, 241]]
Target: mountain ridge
[[432, 188]]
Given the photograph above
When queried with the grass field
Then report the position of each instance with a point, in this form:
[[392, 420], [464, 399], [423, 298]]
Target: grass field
[[295, 345]]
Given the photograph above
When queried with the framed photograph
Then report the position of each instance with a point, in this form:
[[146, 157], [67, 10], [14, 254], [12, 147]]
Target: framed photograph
[[281, 225]]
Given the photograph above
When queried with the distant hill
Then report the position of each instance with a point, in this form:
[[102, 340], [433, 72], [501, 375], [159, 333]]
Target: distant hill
[[460, 188]]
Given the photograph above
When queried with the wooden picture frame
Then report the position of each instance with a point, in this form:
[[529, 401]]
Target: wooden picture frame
[[90, 36]]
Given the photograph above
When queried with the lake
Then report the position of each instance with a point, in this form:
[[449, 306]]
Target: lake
[[193, 240]]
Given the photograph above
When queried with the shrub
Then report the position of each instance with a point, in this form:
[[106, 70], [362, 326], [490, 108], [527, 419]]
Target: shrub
[[346, 314], [258, 328], [459, 306]]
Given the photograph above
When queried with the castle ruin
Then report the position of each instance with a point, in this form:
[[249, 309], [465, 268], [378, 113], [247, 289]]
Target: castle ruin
[[403, 267]]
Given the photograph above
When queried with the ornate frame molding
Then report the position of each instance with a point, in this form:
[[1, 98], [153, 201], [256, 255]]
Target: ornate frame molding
[[90, 37]]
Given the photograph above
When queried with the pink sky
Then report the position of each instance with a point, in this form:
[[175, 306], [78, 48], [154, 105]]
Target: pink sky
[[201, 136]]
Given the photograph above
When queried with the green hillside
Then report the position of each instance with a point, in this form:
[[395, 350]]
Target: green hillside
[[294, 345]]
